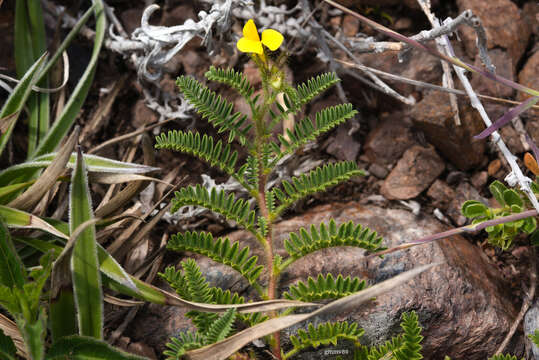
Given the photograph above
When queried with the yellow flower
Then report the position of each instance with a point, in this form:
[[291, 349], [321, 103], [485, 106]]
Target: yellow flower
[[250, 42]]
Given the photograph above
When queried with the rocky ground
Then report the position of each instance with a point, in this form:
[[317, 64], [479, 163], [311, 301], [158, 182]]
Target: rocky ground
[[421, 167]]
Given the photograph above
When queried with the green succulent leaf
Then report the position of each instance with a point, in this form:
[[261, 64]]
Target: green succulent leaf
[[473, 208], [497, 189], [511, 198]]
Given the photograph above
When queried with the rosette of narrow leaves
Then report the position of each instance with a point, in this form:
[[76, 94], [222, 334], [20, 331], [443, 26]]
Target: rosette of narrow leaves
[[324, 334], [295, 99], [348, 234], [217, 331], [217, 110], [315, 181], [511, 202], [307, 130], [325, 288], [234, 79], [216, 201], [205, 148], [219, 250], [406, 346]]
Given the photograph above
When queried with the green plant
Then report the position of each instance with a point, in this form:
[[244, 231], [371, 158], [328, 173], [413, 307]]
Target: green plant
[[511, 202], [254, 133]]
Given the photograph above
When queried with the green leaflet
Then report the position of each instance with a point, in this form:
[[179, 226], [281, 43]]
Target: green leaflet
[[325, 288]]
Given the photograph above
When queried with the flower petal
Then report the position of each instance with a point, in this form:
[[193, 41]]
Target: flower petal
[[249, 46], [250, 31], [272, 39]]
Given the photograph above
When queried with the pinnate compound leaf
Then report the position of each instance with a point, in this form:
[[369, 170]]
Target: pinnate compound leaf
[[348, 234], [325, 288], [204, 147], [217, 110], [217, 201], [220, 250]]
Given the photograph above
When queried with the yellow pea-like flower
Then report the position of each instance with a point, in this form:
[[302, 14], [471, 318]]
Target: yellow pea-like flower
[[250, 42]]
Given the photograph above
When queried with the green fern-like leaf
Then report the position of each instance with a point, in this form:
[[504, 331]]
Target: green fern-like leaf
[[232, 78], [205, 148], [406, 346], [325, 288], [411, 347], [503, 357], [178, 346], [221, 328], [251, 172], [217, 201], [220, 250], [346, 234], [315, 181], [217, 110], [324, 334], [307, 130], [295, 99]]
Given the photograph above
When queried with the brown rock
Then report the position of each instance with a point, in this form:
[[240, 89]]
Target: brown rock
[[530, 13], [343, 146], [178, 15], [503, 24], [528, 77], [504, 68], [130, 18], [434, 116], [512, 139], [479, 179], [414, 172], [378, 170], [388, 141], [441, 194], [463, 192], [416, 66]]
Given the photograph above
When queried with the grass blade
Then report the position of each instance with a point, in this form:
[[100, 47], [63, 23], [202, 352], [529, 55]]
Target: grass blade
[[80, 347], [66, 119], [18, 97], [15, 218], [46, 180], [84, 261]]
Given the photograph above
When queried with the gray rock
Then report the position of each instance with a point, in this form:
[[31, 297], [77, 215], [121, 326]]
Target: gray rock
[[531, 323]]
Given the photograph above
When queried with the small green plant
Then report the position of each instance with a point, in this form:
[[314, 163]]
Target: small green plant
[[254, 132], [511, 202]]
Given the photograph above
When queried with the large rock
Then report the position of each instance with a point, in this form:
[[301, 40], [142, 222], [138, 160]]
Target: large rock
[[504, 67], [462, 304], [414, 172], [503, 23], [434, 116]]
